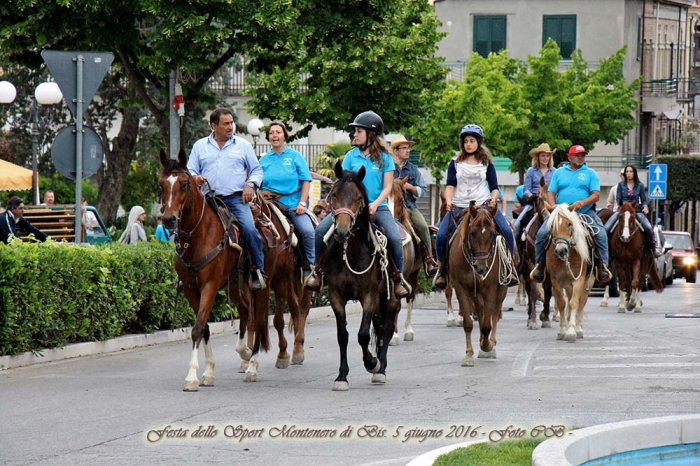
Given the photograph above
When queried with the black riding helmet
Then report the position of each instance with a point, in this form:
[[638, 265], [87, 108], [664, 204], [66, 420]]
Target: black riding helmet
[[369, 121]]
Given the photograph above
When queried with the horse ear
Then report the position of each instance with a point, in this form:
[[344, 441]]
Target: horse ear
[[547, 206], [404, 180], [164, 159], [361, 173], [473, 209], [542, 183], [182, 157], [338, 170]]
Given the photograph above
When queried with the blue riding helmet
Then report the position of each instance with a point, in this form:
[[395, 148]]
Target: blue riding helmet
[[472, 130]]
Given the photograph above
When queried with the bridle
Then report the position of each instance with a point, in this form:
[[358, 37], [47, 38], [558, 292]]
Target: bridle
[[183, 234], [469, 253], [353, 214]]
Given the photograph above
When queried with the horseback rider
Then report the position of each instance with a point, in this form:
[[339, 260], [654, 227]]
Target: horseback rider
[[286, 176], [578, 185], [631, 190], [542, 167], [229, 165], [371, 152], [471, 176], [414, 188]]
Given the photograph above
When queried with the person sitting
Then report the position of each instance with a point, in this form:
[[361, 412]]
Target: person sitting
[[578, 185], [542, 167], [633, 191], [13, 220]]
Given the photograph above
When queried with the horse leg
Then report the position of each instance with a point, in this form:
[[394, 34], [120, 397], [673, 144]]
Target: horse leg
[[575, 309], [467, 325], [282, 361], [487, 329], [395, 335], [451, 321], [635, 285], [388, 308], [546, 298], [408, 328], [208, 376], [370, 305], [531, 291], [244, 343], [560, 302], [623, 281], [204, 302], [300, 324], [261, 304], [606, 296], [338, 305]]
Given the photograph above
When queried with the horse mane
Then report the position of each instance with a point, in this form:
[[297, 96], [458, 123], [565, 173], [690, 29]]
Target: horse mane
[[579, 235], [173, 167]]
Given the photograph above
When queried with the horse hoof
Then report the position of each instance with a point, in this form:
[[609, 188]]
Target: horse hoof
[[570, 336], [245, 353], [208, 381], [298, 358], [467, 361], [282, 363], [579, 333], [460, 321], [408, 336], [242, 367], [546, 324], [555, 318], [394, 340], [603, 304], [340, 386], [620, 310], [532, 326], [451, 322], [379, 378], [487, 354], [637, 311], [250, 377], [191, 386], [560, 336]]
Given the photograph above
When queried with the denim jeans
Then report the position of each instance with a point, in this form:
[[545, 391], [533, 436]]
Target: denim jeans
[[252, 237], [302, 224], [447, 228], [384, 219], [643, 220], [600, 237]]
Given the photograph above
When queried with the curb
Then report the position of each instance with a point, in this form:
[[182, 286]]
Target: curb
[[427, 459], [126, 342]]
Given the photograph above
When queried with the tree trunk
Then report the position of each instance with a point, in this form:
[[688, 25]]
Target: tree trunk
[[111, 178]]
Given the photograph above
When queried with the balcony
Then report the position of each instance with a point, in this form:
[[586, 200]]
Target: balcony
[[661, 94]]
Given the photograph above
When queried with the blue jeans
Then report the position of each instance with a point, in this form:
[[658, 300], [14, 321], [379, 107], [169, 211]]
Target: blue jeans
[[252, 237], [643, 220], [517, 228], [447, 228], [600, 237], [302, 224], [384, 219]]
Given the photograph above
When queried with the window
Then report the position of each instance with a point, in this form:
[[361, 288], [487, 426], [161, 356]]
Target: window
[[489, 34], [562, 29]]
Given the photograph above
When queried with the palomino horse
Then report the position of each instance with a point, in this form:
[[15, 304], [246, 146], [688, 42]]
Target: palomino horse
[[206, 261], [478, 268], [526, 251], [569, 266], [631, 259], [356, 268], [413, 261]]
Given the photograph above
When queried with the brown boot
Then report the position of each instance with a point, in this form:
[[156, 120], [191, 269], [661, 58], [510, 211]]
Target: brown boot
[[314, 280], [431, 267], [603, 273], [399, 291], [440, 280]]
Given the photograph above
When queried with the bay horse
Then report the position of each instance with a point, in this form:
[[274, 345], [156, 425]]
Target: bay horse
[[478, 269], [569, 265], [206, 261], [356, 269], [632, 259], [413, 260], [526, 252]]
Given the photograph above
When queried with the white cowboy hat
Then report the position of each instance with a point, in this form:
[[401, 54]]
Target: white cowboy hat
[[401, 140]]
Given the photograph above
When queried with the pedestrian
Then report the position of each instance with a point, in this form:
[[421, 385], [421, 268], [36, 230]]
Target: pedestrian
[[612, 195], [134, 231], [287, 180], [578, 185], [12, 221], [162, 233], [413, 189], [229, 165], [372, 152], [542, 167], [471, 176], [49, 198]]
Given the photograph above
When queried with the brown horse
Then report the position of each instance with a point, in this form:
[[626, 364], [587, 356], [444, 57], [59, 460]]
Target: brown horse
[[206, 262], [478, 268], [452, 321], [413, 261], [356, 269], [631, 259], [569, 266]]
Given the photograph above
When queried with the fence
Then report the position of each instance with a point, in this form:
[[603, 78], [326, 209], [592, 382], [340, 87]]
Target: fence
[[311, 152]]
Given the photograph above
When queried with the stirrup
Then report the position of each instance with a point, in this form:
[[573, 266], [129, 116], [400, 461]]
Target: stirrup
[[314, 281], [440, 281], [537, 273], [257, 282]]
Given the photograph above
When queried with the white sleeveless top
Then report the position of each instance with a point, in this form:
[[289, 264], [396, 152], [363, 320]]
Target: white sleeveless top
[[471, 184]]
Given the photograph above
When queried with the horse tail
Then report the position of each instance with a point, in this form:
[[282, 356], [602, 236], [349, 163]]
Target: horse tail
[[654, 277], [262, 329]]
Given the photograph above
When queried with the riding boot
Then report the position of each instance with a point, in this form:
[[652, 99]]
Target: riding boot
[[401, 291], [315, 279], [513, 275], [537, 273], [257, 280], [440, 280], [603, 274], [431, 267]]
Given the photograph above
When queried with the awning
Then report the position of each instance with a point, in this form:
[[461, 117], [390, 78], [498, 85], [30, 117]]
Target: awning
[[13, 177]]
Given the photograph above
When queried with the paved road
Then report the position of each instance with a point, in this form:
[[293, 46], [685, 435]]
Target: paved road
[[110, 409]]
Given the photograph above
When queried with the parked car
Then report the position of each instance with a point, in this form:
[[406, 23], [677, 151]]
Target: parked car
[[685, 259], [664, 263]]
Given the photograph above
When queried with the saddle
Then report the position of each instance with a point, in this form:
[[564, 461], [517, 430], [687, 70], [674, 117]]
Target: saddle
[[227, 219], [261, 215]]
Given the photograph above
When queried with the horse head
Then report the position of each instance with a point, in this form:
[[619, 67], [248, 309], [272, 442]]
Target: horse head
[[348, 199], [567, 231], [481, 235], [627, 219], [175, 187], [396, 202]]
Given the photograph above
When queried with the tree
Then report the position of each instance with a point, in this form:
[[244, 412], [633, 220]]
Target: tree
[[521, 105]]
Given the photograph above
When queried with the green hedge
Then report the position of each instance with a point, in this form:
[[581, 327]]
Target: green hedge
[[53, 294]]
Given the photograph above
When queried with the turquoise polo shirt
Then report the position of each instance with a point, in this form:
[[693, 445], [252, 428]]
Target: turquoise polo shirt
[[571, 186], [284, 173], [374, 178]]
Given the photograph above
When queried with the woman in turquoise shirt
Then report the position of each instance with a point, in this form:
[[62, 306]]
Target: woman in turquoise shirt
[[286, 174]]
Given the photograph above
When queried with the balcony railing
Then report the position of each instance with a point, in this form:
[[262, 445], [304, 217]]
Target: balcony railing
[[677, 88]]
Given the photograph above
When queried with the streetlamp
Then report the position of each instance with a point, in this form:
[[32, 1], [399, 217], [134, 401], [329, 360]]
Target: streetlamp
[[253, 127], [45, 94]]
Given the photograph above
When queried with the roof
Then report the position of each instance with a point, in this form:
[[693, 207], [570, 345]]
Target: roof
[[13, 177]]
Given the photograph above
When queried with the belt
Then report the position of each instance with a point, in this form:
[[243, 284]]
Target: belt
[[229, 196]]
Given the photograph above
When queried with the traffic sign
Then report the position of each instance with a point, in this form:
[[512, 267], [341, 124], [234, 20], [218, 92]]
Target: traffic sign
[[63, 152], [657, 190], [658, 172]]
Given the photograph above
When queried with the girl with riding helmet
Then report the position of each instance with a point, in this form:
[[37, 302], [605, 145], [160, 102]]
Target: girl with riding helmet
[[371, 152], [471, 176]]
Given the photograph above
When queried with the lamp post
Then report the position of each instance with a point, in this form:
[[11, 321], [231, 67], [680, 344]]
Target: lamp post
[[253, 127], [46, 93]]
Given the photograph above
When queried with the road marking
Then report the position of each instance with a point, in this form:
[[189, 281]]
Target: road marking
[[616, 366], [522, 360], [620, 355]]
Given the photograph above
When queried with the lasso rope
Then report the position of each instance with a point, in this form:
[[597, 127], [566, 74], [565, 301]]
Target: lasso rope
[[506, 265], [379, 240]]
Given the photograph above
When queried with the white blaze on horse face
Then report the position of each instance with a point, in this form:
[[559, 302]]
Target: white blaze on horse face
[[172, 180], [626, 227]]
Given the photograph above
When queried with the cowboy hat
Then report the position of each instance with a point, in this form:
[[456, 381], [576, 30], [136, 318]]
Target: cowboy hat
[[544, 147], [401, 140]]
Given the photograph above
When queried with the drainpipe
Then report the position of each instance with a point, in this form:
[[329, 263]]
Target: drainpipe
[[656, 41]]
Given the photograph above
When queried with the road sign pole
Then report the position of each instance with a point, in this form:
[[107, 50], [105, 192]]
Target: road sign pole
[[80, 61]]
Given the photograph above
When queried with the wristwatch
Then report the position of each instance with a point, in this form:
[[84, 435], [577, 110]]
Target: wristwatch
[[302, 203], [252, 184]]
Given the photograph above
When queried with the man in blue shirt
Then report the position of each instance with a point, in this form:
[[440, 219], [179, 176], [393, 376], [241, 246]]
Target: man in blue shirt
[[579, 186], [229, 165]]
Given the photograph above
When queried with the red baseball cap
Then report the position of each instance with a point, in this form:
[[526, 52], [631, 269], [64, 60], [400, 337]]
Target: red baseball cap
[[577, 149]]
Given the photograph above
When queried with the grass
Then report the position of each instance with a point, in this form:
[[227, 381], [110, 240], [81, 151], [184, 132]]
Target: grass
[[506, 453]]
